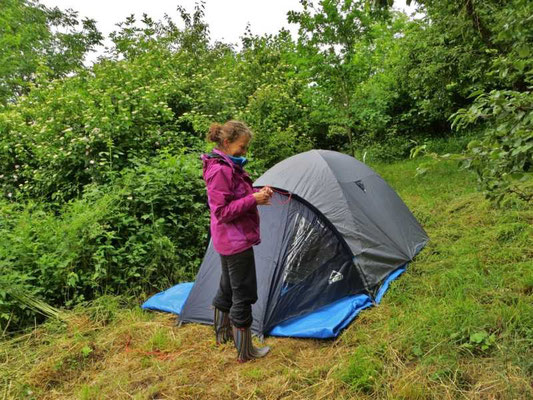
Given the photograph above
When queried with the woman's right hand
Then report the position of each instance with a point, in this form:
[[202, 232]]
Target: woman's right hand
[[263, 197]]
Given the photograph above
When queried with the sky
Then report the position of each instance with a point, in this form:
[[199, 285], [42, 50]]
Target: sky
[[227, 19]]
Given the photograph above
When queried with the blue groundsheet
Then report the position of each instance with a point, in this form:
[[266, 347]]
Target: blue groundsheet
[[323, 323], [170, 300]]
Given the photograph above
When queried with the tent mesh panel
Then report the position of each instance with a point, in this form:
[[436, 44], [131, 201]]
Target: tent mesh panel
[[311, 246]]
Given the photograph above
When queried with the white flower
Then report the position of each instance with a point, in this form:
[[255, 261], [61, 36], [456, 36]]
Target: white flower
[[91, 162], [9, 195]]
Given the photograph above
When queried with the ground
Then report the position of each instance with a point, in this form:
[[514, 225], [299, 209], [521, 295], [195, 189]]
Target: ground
[[457, 325]]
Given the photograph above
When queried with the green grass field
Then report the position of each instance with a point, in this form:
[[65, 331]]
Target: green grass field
[[457, 325]]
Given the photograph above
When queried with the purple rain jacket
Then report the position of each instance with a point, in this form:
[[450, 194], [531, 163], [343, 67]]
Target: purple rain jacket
[[234, 215]]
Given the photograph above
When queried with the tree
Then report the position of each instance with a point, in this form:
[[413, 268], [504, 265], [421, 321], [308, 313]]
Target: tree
[[474, 63], [36, 40], [328, 36]]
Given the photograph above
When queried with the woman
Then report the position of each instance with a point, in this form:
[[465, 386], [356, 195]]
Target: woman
[[234, 231]]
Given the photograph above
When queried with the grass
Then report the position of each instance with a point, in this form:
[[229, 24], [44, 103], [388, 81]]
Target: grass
[[457, 325]]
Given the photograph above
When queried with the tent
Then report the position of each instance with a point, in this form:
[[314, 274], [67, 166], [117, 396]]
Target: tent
[[333, 239]]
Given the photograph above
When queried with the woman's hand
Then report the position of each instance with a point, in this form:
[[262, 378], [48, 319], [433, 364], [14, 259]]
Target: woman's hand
[[263, 196], [268, 190]]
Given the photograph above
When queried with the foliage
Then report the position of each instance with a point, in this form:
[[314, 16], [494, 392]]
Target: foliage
[[469, 63], [277, 114], [329, 36], [145, 231], [503, 159], [276, 106], [277, 109], [83, 130], [38, 43]]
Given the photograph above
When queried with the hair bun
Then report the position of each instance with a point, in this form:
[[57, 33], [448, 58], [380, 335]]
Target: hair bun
[[215, 130]]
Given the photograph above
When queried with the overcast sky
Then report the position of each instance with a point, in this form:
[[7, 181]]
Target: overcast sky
[[227, 19]]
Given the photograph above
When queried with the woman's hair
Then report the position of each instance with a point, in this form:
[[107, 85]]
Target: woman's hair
[[231, 130]]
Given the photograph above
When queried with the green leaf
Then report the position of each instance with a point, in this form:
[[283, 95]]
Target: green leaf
[[523, 51], [478, 337], [86, 351]]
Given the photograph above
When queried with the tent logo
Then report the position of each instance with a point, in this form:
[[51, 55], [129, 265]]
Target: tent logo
[[335, 277], [361, 185]]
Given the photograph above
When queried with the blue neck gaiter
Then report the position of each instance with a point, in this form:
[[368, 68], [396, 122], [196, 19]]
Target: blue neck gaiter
[[239, 160]]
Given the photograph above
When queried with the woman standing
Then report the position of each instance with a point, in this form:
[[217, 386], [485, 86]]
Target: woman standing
[[234, 231]]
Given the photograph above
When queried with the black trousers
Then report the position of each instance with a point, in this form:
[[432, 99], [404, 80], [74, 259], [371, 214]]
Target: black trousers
[[238, 287]]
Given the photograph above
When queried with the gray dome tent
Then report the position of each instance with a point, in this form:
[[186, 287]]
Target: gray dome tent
[[340, 230]]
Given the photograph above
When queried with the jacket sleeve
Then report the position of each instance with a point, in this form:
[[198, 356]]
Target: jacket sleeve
[[221, 198]]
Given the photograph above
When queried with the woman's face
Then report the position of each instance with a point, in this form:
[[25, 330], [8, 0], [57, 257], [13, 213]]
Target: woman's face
[[237, 148]]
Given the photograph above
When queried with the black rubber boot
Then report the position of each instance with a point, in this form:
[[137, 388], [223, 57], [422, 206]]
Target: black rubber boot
[[246, 351], [222, 327]]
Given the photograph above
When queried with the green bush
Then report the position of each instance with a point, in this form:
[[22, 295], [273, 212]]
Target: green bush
[[144, 232], [276, 113], [454, 144], [83, 129], [390, 149]]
